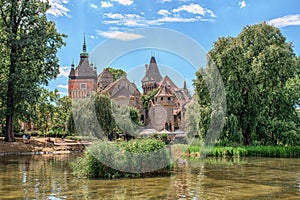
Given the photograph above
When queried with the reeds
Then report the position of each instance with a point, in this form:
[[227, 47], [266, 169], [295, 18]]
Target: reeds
[[251, 151]]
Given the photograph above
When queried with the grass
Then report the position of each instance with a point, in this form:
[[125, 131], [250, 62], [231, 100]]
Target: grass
[[250, 151]]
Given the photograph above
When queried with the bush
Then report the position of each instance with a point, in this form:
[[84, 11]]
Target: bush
[[135, 158]]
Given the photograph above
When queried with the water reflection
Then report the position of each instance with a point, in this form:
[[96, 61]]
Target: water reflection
[[50, 177]]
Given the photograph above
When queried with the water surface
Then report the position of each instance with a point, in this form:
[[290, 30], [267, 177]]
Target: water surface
[[50, 177]]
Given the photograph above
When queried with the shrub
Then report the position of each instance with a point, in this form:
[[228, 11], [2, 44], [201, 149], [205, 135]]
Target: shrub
[[135, 158]]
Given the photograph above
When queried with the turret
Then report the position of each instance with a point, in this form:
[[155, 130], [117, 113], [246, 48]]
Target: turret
[[152, 77], [72, 72]]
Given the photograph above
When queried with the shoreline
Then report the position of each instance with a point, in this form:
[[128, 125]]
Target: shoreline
[[37, 153], [40, 146]]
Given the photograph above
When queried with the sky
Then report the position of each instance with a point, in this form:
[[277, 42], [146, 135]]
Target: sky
[[126, 33]]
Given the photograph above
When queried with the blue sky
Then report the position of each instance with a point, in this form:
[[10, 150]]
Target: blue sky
[[114, 22]]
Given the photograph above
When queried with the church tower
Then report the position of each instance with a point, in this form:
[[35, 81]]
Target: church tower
[[82, 80], [152, 77]]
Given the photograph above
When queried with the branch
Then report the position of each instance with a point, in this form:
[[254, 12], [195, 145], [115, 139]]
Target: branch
[[3, 16], [23, 6]]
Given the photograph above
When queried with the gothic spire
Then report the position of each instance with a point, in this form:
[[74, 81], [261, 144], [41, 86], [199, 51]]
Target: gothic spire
[[184, 85], [84, 44], [84, 52]]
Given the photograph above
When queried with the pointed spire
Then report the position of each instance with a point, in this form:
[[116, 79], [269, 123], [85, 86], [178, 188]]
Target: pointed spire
[[84, 52], [84, 44], [184, 85]]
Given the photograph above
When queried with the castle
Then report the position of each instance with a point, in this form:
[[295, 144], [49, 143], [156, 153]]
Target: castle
[[165, 112]]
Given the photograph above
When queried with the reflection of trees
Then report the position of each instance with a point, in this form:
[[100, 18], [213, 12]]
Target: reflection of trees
[[185, 184]]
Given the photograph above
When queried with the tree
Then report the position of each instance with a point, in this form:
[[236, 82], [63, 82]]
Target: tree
[[30, 43], [127, 120], [261, 76], [117, 73], [103, 108], [203, 103], [192, 120], [44, 110], [63, 110]]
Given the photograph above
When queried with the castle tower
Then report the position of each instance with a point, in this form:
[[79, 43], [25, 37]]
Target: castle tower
[[82, 80], [152, 77]]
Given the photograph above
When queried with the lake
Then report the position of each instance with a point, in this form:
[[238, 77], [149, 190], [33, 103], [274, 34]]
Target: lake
[[50, 177]]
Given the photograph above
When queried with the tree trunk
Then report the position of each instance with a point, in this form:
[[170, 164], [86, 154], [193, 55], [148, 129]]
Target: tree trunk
[[10, 104], [9, 125], [9, 129], [247, 137]]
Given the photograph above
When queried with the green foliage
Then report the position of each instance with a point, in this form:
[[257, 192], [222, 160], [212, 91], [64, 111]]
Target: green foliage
[[134, 115], [261, 76], [117, 73], [192, 119], [92, 116], [127, 119], [210, 94], [147, 97], [123, 158], [252, 151], [98, 117], [103, 108], [50, 113], [232, 134], [29, 43], [71, 129]]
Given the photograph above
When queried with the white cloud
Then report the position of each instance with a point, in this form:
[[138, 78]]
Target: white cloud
[[62, 86], [210, 12], [124, 2], [164, 1], [164, 12], [114, 16], [105, 4], [118, 35], [174, 19], [242, 4], [94, 6], [288, 20], [164, 16], [192, 8], [64, 71], [58, 8], [124, 19], [93, 37]]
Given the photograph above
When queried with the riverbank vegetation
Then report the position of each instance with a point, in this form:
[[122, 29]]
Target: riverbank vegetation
[[245, 151], [126, 159]]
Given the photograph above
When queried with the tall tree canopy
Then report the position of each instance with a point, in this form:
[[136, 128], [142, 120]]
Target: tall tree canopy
[[260, 72], [29, 43]]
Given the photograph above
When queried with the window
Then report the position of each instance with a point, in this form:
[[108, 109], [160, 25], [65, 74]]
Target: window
[[161, 98], [82, 86], [169, 98]]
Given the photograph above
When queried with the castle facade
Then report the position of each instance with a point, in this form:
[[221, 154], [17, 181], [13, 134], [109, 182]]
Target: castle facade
[[165, 111]]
